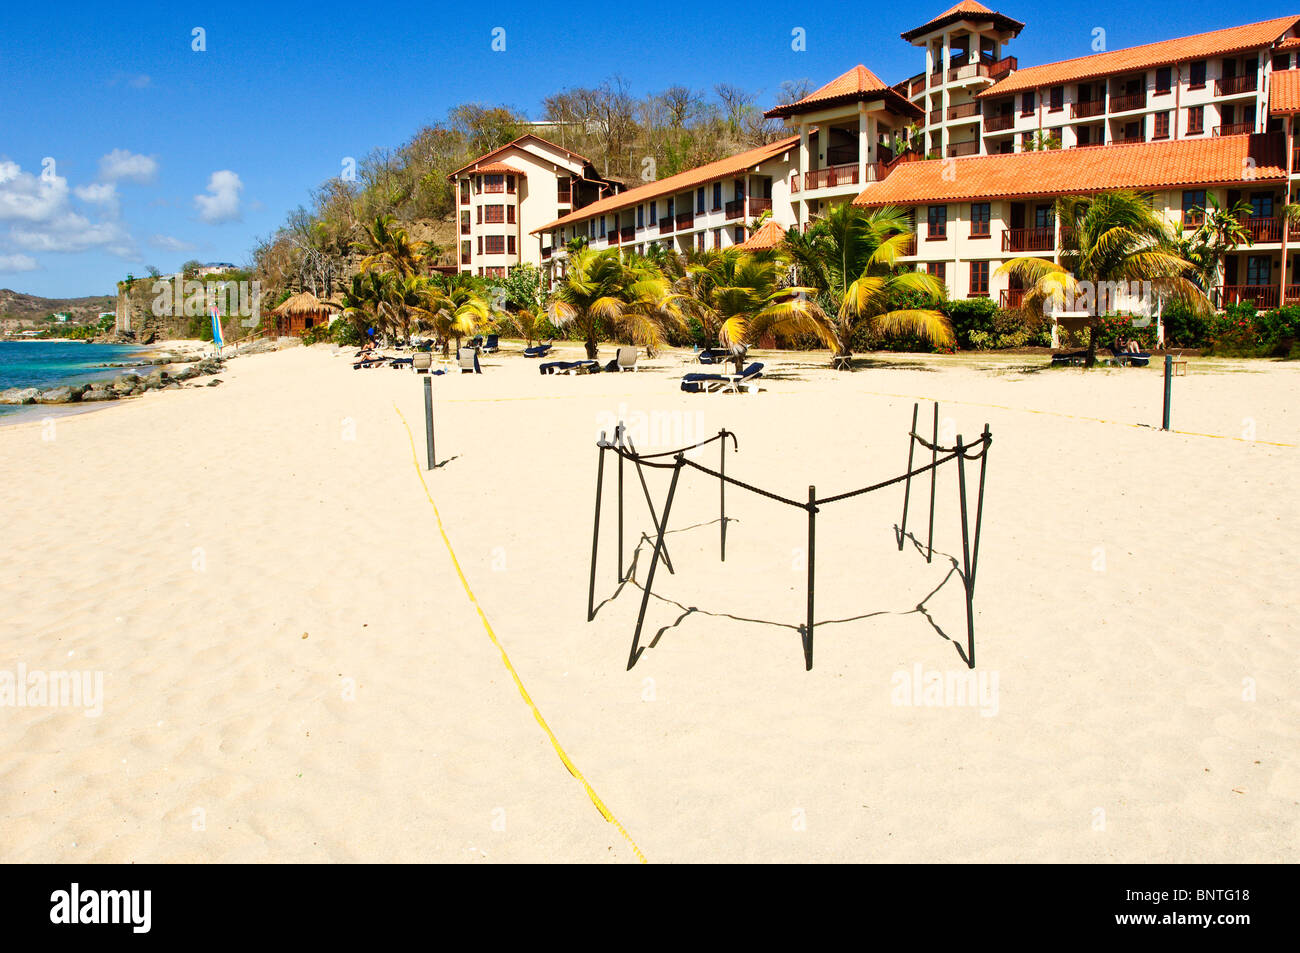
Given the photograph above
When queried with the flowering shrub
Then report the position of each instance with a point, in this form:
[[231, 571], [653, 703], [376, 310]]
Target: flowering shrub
[[1242, 331]]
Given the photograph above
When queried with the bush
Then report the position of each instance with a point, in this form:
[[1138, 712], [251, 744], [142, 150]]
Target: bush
[[1183, 326], [968, 316], [345, 334]]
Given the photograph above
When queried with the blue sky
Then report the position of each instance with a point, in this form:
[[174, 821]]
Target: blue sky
[[162, 153]]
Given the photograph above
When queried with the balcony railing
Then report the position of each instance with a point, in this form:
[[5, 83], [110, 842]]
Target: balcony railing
[[546, 252], [1263, 229], [627, 234], [1028, 239], [999, 122], [963, 149], [917, 86], [963, 111], [734, 209], [1003, 66], [1234, 128], [1120, 104], [563, 198], [1295, 159], [612, 236], [936, 116], [1127, 140], [1232, 85], [1083, 110], [909, 247], [831, 177], [1010, 298], [685, 220], [1264, 296], [665, 226]]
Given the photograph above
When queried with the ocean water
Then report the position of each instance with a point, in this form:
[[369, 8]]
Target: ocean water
[[45, 364]]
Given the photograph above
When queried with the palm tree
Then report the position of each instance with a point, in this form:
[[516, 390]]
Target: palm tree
[[1221, 232], [738, 296], [1106, 239], [454, 306], [387, 247], [633, 299], [851, 257]]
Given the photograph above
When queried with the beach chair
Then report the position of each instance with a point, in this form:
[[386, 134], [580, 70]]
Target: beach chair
[[1069, 358], [467, 359], [374, 360], [539, 350], [570, 367], [624, 359], [421, 362], [492, 345], [1130, 358], [476, 342], [713, 355], [729, 383]]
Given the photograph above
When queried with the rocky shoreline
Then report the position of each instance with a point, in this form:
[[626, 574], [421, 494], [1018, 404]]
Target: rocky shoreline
[[165, 376]]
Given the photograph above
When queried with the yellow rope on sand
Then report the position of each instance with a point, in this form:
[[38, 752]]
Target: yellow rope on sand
[[487, 626]]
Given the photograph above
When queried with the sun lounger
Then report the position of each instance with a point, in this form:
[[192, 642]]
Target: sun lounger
[[570, 367], [467, 358], [1131, 358], [373, 361], [539, 350], [624, 359], [492, 345], [713, 355], [1069, 358], [421, 362], [731, 383]]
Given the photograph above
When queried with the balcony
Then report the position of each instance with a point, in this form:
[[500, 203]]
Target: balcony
[[1029, 239], [1235, 85], [1010, 298], [1002, 67], [964, 111], [936, 116], [999, 122], [1263, 229], [918, 85], [1127, 140], [976, 69], [1264, 296], [612, 236], [1083, 110], [1234, 128], [563, 198], [1123, 104], [685, 220], [627, 234], [971, 148], [665, 226], [546, 252], [757, 206], [831, 177]]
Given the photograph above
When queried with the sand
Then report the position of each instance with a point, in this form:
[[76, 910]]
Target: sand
[[293, 671]]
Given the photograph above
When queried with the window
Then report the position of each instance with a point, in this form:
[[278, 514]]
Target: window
[[494, 214], [1193, 206], [640, 216], [602, 226], [979, 219], [740, 189], [1058, 98], [562, 194], [464, 191], [479, 214], [1044, 216], [1261, 206], [1162, 126], [1282, 61], [1195, 120], [938, 269], [654, 215], [936, 222], [1164, 80], [510, 184], [480, 244], [510, 244], [717, 196], [672, 203], [717, 232], [738, 234], [1257, 270], [979, 279], [1083, 136], [1197, 75], [1026, 141], [510, 214], [494, 183], [464, 252], [1027, 103], [495, 245], [464, 222], [699, 241], [699, 199]]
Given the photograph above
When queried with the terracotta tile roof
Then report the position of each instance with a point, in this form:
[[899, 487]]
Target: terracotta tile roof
[[966, 10], [1284, 91], [1143, 166], [1166, 52], [857, 84], [1290, 43], [496, 167], [769, 235], [690, 179], [515, 142]]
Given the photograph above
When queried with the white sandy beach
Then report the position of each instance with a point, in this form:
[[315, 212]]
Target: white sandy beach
[[292, 670]]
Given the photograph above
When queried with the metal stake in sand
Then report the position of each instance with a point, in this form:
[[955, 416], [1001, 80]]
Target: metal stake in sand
[[1169, 382], [595, 529], [428, 420], [934, 470], [654, 563], [967, 576], [907, 484], [812, 577], [618, 439]]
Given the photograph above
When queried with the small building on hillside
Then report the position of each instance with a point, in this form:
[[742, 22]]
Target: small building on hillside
[[301, 313]]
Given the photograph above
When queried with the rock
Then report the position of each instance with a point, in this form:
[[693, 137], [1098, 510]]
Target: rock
[[98, 393], [56, 395], [214, 382], [208, 366], [126, 383], [19, 395], [186, 373], [156, 380]]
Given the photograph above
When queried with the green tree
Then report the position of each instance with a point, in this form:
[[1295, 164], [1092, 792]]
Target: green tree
[[632, 299]]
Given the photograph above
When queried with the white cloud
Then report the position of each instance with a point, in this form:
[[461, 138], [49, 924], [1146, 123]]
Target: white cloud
[[28, 197], [72, 232], [221, 203], [103, 194], [42, 218], [132, 166], [168, 243], [10, 263], [139, 82]]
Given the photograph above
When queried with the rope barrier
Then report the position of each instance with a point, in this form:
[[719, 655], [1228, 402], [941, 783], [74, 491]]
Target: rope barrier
[[505, 658]]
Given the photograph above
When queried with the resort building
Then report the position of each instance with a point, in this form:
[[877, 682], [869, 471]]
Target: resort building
[[501, 197], [979, 149]]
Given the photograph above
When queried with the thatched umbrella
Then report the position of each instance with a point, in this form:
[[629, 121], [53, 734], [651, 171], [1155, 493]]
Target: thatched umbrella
[[304, 310]]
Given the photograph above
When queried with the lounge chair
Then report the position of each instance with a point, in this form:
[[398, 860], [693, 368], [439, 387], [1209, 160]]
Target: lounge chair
[[713, 355], [375, 360], [467, 358], [1069, 358], [570, 367], [476, 342], [624, 359], [421, 362], [492, 345], [539, 350], [731, 383], [1131, 358]]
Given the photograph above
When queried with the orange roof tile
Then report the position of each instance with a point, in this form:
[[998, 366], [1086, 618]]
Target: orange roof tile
[[768, 235], [858, 83], [497, 167], [966, 10], [1166, 52], [1145, 166], [1284, 91], [721, 169], [515, 142], [1290, 43]]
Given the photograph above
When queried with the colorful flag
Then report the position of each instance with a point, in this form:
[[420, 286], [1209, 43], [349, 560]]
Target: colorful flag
[[216, 329]]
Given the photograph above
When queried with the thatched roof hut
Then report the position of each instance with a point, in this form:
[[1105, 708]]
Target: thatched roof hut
[[300, 312]]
